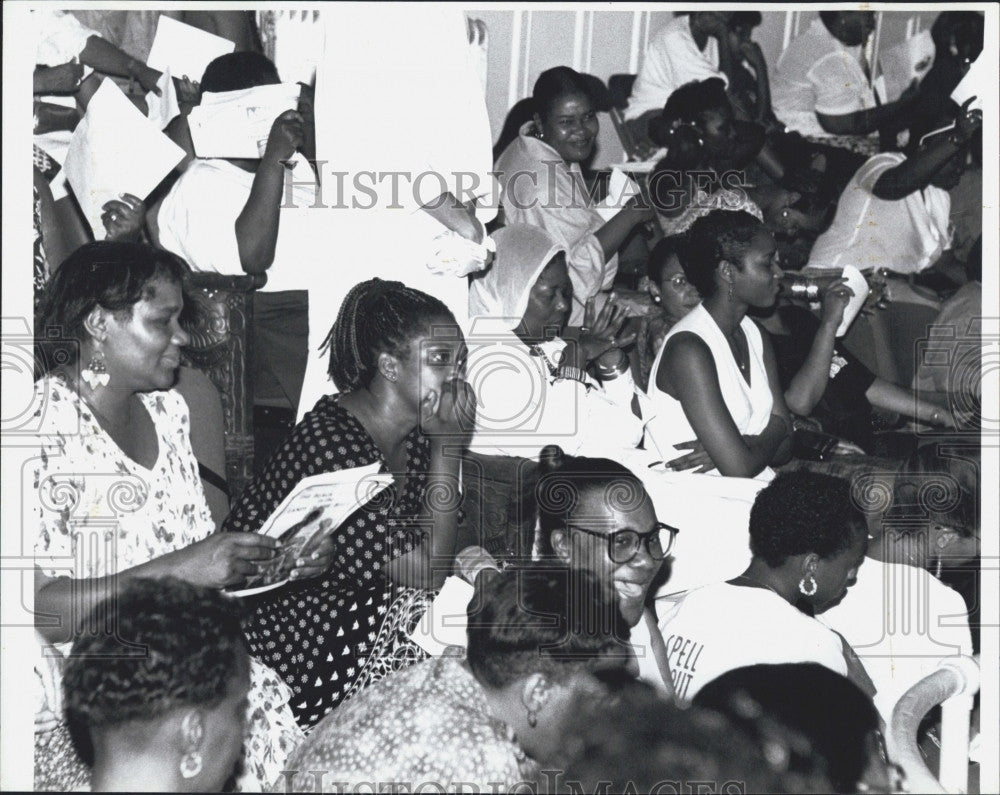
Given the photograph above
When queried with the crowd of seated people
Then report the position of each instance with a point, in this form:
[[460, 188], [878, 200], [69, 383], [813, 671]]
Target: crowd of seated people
[[730, 499]]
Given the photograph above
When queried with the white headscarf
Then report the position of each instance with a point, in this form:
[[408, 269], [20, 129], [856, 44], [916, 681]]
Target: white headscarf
[[501, 293]]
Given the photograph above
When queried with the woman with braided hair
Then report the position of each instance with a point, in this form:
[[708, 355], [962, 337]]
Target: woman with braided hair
[[397, 357]]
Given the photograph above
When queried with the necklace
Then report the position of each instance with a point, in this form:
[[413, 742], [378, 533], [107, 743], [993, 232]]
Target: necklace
[[742, 363], [760, 584]]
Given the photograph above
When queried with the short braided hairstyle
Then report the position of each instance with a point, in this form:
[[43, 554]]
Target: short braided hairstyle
[[719, 235], [191, 638], [377, 316]]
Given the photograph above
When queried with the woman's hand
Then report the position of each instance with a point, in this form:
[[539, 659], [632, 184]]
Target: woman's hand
[[221, 560], [188, 91], [123, 218], [697, 459], [454, 418], [836, 297], [286, 136], [968, 121], [146, 76], [62, 79], [600, 330], [316, 562]]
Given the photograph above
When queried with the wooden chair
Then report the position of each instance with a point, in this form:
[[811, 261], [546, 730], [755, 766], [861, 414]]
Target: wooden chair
[[220, 347]]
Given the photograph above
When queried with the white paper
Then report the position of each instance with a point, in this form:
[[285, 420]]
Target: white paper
[[236, 124], [164, 108], [975, 84], [909, 60], [446, 621], [115, 150], [859, 285], [185, 50], [316, 507], [620, 189]]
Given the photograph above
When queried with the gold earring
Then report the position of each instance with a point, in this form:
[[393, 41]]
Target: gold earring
[[190, 764]]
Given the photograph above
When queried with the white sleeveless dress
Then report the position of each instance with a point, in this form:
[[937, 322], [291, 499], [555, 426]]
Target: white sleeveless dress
[[711, 511]]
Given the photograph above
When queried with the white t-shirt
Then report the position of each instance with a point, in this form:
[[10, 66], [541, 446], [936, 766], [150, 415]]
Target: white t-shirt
[[906, 235], [721, 627], [818, 74], [197, 221], [901, 621], [672, 59]]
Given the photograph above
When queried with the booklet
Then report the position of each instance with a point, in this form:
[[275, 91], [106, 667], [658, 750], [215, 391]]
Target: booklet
[[316, 507], [184, 49], [115, 150], [620, 189], [236, 124], [975, 84]]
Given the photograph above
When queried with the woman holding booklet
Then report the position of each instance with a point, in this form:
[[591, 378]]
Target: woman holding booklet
[[117, 489], [397, 357]]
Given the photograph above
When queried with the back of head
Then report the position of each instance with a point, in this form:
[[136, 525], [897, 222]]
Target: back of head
[[110, 274], [173, 645], [692, 100], [825, 708], [544, 618], [802, 512], [239, 70], [563, 481], [937, 484], [554, 84], [376, 317], [635, 741], [719, 235], [963, 29], [658, 258]]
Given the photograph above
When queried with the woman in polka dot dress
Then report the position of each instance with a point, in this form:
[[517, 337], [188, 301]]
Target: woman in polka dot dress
[[396, 357]]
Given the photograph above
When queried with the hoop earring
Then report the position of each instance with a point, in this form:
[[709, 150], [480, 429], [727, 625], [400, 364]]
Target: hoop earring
[[532, 718], [190, 764], [812, 583], [95, 374]]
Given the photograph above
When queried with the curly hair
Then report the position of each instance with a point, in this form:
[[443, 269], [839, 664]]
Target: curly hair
[[111, 274], [719, 235], [377, 317], [802, 512], [564, 479], [174, 644], [544, 618]]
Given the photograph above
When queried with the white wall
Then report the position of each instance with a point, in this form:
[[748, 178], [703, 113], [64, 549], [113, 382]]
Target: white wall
[[601, 42]]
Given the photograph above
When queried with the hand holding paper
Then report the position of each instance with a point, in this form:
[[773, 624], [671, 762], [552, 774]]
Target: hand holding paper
[[975, 85], [620, 189], [115, 150], [185, 50], [237, 124]]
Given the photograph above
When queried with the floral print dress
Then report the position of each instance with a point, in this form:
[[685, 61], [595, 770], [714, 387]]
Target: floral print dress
[[98, 513]]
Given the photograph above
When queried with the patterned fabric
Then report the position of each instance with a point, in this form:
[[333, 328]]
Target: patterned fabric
[[702, 204], [330, 637], [99, 513], [40, 273], [430, 723]]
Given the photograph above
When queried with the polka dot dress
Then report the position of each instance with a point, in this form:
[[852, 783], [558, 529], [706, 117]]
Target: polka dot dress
[[331, 636]]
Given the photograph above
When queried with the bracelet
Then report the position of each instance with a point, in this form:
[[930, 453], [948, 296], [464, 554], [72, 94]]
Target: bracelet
[[572, 373]]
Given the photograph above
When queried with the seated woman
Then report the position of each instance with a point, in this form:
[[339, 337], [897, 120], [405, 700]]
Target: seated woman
[[835, 719], [924, 528], [494, 719], [118, 489], [543, 185], [537, 380], [226, 216], [807, 541], [171, 719], [396, 356], [595, 515], [715, 384]]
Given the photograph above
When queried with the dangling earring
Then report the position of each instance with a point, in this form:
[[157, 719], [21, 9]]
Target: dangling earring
[[190, 764], [937, 568], [95, 374], [532, 718], [730, 292], [812, 585]]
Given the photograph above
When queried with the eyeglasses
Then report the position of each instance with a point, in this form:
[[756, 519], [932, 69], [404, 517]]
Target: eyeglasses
[[679, 281], [623, 545]]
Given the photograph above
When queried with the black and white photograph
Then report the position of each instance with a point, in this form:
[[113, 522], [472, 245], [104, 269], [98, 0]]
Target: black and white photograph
[[503, 397]]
